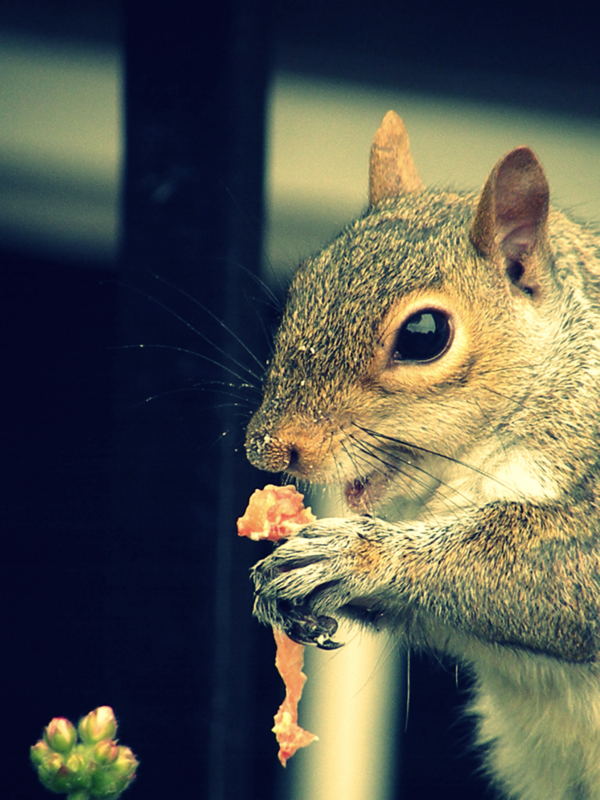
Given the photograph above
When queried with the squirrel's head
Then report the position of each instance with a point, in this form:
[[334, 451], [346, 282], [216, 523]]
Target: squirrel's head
[[407, 335]]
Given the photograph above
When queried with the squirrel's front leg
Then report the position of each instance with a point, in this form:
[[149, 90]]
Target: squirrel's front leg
[[501, 574], [332, 567]]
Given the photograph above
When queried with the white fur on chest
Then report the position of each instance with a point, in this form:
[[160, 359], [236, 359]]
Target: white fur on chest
[[540, 719], [517, 474]]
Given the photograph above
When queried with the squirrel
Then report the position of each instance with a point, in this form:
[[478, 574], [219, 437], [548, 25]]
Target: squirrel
[[437, 365]]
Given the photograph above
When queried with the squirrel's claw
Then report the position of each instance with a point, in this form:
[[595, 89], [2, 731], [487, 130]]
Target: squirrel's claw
[[297, 619], [312, 578], [305, 628], [292, 588]]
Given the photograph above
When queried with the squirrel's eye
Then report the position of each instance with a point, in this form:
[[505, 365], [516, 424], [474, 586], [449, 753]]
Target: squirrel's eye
[[423, 336]]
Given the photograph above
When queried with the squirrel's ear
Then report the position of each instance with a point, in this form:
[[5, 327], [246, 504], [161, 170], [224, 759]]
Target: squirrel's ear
[[392, 171], [513, 207]]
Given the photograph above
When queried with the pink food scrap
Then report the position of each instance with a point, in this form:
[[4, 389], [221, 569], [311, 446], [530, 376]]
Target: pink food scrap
[[274, 513]]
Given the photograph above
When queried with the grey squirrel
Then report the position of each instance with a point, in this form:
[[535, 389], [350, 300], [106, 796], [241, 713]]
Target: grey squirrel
[[443, 352]]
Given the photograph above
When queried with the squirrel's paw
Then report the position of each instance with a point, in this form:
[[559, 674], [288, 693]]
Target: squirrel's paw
[[328, 568]]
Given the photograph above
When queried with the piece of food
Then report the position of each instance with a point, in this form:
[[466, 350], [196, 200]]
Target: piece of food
[[289, 659], [274, 513]]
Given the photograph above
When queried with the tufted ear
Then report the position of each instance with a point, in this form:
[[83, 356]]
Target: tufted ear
[[513, 208], [392, 171]]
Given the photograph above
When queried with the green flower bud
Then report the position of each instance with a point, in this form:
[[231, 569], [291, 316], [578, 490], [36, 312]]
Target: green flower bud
[[126, 763], [106, 751], [51, 764], [110, 780], [60, 734], [53, 774], [97, 725], [39, 752], [80, 768]]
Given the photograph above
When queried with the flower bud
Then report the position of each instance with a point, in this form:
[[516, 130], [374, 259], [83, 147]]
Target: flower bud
[[97, 725], [106, 751], [53, 773], [126, 763], [60, 734], [52, 763], [80, 768], [39, 752], [110, 780]]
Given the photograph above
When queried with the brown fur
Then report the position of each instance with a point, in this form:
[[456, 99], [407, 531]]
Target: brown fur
[[490, 449]]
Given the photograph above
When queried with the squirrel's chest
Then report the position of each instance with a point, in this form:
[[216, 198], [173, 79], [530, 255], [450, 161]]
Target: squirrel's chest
[[495, 473], [540, 720]]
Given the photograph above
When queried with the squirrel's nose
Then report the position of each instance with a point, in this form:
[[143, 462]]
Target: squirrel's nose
[[300, 448], [271, 453]]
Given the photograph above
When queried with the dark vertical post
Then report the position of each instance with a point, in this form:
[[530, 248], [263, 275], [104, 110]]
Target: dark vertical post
[[187, 661]]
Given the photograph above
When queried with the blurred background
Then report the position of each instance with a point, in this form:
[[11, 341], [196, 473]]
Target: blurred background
[[163, 168]]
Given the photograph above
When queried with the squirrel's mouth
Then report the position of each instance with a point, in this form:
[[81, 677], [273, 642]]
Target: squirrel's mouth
[[363, 494]]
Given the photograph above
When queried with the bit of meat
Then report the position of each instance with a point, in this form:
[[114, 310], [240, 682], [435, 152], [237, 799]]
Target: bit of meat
[[274, 513], [289, 660]]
